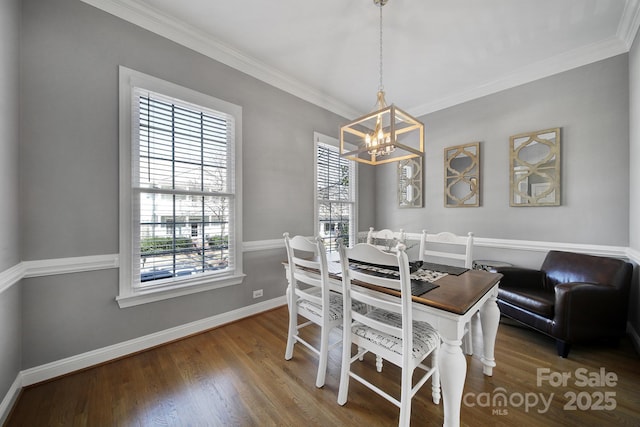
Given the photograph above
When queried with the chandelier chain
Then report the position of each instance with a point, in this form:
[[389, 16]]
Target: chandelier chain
[[385, 135], [380, 85]]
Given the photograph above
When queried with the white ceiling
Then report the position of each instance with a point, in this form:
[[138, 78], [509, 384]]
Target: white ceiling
[[436, 53]]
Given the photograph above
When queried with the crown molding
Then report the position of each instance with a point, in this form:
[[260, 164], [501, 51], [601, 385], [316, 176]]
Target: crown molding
[[541, 69], [177, 31], [629, 23], [157, 22]]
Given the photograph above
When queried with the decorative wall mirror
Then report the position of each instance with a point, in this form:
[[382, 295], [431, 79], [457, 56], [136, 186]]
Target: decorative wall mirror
[[410, 183], [535, 168], [462, 175]]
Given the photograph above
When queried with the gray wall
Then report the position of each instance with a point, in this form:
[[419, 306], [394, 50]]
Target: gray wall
[[69, 168], [10, 299], [9, 66], [634, 143], [590, 104], [634, 182]]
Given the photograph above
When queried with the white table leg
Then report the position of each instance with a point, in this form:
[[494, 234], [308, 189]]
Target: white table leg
[[453, 371], [489, 319]]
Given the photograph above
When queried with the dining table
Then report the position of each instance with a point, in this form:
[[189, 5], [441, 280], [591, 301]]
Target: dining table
[[449, 306]]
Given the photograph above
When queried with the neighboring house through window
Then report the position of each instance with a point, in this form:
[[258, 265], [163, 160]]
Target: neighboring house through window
[[180, 203], [335, 189]]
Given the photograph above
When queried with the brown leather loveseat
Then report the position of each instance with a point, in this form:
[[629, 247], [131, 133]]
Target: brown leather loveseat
[[573, 297]]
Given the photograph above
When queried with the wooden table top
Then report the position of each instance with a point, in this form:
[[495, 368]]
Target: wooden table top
[[456, 294]]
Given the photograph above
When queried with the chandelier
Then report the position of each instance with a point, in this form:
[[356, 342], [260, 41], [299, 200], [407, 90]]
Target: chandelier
[[385, 135]]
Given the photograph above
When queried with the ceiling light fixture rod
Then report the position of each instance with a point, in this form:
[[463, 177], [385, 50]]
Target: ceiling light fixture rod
[[380, 3], [385, 135]]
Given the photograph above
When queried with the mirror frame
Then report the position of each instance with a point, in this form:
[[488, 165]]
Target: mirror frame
[[412, 184], [521, 191], [470, 175]]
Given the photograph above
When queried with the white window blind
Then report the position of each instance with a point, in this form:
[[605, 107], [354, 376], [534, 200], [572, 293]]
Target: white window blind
[[185, 188], [180, 204], [335, 196]]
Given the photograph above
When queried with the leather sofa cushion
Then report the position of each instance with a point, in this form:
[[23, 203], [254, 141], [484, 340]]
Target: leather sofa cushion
[[568, 267], [539, 301]]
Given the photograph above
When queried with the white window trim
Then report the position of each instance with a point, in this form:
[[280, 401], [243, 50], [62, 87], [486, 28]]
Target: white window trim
[[129, 295], [327, 140]]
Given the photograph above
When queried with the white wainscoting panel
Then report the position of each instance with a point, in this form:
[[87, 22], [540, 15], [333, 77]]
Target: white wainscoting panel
[[633, 255], [56, 266], [262, 245], [11, 276], [48, 267]]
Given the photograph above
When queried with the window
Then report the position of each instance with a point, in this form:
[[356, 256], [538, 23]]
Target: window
[[180, 196], [335, 194]]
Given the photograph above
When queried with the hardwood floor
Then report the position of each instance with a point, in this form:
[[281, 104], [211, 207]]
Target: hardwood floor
[[236, 375]]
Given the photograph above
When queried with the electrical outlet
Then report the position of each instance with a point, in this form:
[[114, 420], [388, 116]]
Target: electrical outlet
[[257, 293]]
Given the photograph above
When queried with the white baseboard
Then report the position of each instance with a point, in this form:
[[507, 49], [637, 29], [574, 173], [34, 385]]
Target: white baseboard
[[10, 399], [95, 357], [91, 358]]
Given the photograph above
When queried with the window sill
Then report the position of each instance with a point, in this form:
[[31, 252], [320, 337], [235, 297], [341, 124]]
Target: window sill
[[144, 296]]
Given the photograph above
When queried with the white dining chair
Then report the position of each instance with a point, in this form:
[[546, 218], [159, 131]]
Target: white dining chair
[[385, 239], [388, 329], [309, 296], [449, 248]]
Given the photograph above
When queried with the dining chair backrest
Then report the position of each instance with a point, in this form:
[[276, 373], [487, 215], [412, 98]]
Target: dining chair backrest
[[401, 282], [385, 239], [448, 246], [308, 266]]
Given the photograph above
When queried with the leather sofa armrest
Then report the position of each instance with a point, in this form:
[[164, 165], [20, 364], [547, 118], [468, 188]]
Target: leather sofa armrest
[[582, 309], [519, 277]]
